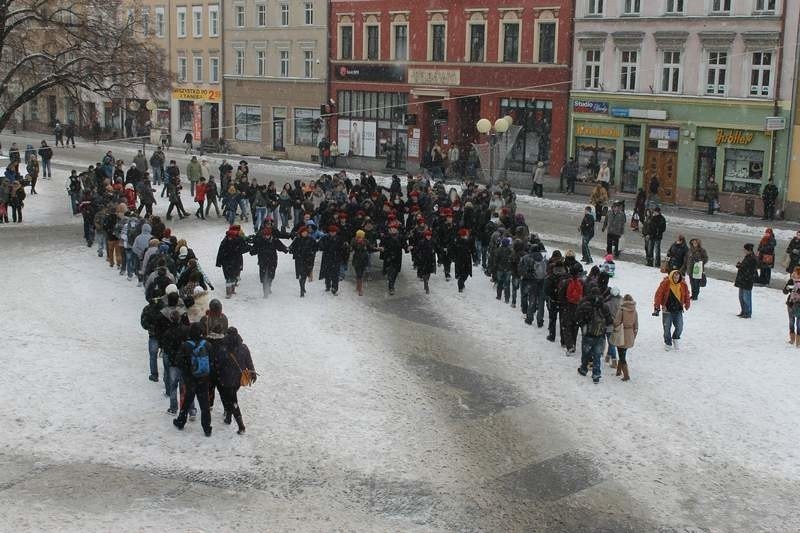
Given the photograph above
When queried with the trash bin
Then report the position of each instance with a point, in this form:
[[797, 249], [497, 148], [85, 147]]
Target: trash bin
[[749, 207]]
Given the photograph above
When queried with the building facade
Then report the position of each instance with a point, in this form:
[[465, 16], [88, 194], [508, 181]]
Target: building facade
[[404, 80], [276, 76], [685, 91], [194, 32]]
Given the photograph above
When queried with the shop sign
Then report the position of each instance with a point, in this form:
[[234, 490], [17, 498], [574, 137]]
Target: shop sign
[[648, 114], [664, 134], [386, 73], [585, 130], [740, 137], [774, 123], [588, 106], [188, 93], [426, 76]]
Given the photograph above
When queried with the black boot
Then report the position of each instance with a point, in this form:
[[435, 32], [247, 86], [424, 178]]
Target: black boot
[[227, 417], [240, 423]]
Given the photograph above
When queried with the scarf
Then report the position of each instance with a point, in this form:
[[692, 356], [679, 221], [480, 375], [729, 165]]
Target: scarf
[[675, 288]]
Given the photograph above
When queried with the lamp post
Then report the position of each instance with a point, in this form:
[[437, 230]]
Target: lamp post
[[494, 131]]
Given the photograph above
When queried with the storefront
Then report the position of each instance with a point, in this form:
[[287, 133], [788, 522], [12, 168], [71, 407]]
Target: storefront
[[198, 112]]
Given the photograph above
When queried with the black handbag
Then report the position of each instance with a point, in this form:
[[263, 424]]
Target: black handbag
[[703, 281]]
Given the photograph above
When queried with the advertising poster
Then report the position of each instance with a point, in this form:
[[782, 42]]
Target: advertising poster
[[357, 137], [197, 123]]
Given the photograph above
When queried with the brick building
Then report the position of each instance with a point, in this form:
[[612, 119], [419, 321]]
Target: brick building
[[409, 76]]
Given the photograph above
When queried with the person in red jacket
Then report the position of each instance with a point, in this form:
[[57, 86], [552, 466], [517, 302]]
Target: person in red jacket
[[130, 197], [673, 297], [200, 198]]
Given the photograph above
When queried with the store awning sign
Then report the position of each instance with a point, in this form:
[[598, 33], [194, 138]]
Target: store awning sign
[[649, 114], [589, 106], [740, 137]]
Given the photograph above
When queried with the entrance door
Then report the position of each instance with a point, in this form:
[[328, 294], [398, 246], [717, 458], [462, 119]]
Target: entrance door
[[664, 165], [52, 109], [277, 135], [214, 109]]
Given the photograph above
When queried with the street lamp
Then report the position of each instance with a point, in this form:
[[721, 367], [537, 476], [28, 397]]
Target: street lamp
[[485, 127]]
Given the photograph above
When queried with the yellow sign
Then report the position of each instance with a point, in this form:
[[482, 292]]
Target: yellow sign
[[734, 137], [596, 131], [208, 95]]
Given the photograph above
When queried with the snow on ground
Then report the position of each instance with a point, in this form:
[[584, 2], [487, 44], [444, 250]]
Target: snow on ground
[[716, 418]]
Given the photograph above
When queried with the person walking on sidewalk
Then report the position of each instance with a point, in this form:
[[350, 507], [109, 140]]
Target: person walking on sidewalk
[[769, 195], [696, 266], [615, 224], [599, 199], [571, 174], [587, 234], [746, 272], [792, 290], [46, 154], [655, 229], [604, 176], [766, 256], [672, 296], [712, 195], [626, 327], [538, 180], [594, 317]]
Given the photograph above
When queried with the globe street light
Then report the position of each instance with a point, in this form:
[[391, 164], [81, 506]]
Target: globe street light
[[485, 127]]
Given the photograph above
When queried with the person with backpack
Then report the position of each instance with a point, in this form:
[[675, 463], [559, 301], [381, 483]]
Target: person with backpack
[[615, 224], [594, 318], [195, 363], [232, 360], [626, 327], [587, 234], [171, 330], [149, 319], [570, 295], [792, 290], [533, 273], [672, 296], [556, 271], [502, 268]]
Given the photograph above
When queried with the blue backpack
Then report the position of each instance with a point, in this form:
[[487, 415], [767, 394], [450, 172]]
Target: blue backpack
[[201, 367]]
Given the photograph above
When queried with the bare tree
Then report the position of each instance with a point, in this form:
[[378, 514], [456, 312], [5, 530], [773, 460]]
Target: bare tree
[[77, 46]]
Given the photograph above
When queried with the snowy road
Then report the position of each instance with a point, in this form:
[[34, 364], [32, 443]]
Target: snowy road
[[412, 413]]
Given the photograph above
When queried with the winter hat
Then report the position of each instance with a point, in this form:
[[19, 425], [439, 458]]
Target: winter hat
[[520, 218], [556, 254], [506, 242], [609, 258], [360, 234], [171, 288], [267, 231], [199, 290], [333, 229], [302, 229], [748, 247], [570, 253], [215, 306], [183, 252], [613, 291], [129, 186], [463, 232], [153, 242], [427, 233], [232, 233]]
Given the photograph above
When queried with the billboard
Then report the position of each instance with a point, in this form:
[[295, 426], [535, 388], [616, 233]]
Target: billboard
[[357, 136]]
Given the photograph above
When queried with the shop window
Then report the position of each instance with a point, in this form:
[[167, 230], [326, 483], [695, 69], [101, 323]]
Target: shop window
[[706, 168], [247, 123], [590, 152], [533, 141], [477, 42], [633, 132], [304, 134], [630, 167], [346, 42], [743, 171], [185, 114]]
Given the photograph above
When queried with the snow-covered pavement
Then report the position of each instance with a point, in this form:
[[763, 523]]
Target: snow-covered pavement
[[413, 412]]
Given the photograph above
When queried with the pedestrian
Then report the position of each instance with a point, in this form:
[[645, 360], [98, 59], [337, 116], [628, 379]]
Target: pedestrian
[[229, 258], [392, 247], [46, 154], [463, 249], [696, 266], [171, 331], [5, 194], [445, 236], [147, 197], [769, 196], [304, 249], [712, 195], [571, 174], [194, 171], [200, 198], [69, 132], [212, 193], [594, 318], [604, 176], [187, 140], [157, 161], [672, 296], [196, 366], [58, 133], [609, 266], [149, 319], [334, 253], [232, 361], [677, 254], [638, 209], [16, 200], [598, 198], [502, 269], [74, 190], [746, 274], [360, 250], [655, 228], [615, 224], [766, 256], [571, 293], [33, 172], [556, 272], [538, 180], [626, 327], [792, 290], [653, 188], [792, 256]]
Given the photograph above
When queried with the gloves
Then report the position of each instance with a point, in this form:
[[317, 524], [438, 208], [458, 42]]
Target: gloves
[[656, 311]]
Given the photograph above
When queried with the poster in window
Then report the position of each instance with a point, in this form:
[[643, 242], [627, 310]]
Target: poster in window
[[357, 137], [197, 123]]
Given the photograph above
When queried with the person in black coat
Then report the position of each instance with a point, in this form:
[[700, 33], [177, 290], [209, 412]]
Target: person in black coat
[[197, 385], [676, 256], [229, 257], [231, 358], [462, 251], [266, 247], [392, 247], [587, 234], [425, 255], [334, 253], [746, 274], [304, 250], [445, 235]]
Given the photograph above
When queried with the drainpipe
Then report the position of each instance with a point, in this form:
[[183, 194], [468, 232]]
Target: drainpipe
[[793, 115], [776, 103]]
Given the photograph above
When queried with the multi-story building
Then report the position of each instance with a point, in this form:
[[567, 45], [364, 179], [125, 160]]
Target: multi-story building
[[682, 90], [406, 78], [194, 32], [276, 75]]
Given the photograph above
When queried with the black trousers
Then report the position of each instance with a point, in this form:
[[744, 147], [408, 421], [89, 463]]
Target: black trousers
[[209, 201], [231, 403], [621, 353], [612, 243], [332, 282], [196, 389]]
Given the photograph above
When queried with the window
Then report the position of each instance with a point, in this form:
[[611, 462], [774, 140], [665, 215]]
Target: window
[[675, 7], [33, 108], [213, 21], [198, 69], [629, 67], [183, 69], [533, 142], [510, 42], [345, 42], [400, 37], [284, 14], [284, 60], [304, 134], [671, 72], [761, 74], [546, 45], [160, 22], [261, 15], [595, 7], [721, 7], [436, 44], [247, 123], [591, 69], [238, 65], [261, 62], [477, 42], [146, 21], [717, 73], [197, 21], [309, 13], [308, 63], [706, 168], [632, 7], [744, 170], [373, 45], [181, 21], [186, 114], [239, 15], [213, 69], [765, 6]]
